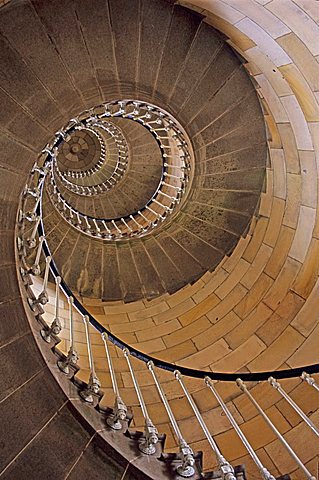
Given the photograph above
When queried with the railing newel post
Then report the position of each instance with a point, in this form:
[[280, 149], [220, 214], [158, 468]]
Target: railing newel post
[[225, 467], [147, 445], [43, 297], [56, 326], [94, 383], [291, 452], [72, 356], [186, 469], [119, 409]]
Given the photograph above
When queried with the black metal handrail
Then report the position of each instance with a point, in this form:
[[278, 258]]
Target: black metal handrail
[[194, 373], [144, 207], [189, 372]]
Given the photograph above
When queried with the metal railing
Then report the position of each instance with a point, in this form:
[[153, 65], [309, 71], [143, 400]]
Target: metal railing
[[30, 245], [102, 177], [173, 185]]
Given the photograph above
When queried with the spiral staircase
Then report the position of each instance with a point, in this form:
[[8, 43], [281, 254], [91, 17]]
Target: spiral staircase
[[159, 307]]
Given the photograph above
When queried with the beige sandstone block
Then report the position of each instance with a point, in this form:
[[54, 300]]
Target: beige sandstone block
[[263, 394], [307, 353], [273, 132], [236, 360], [257, 266], [256, 431], [290, 148], [158, 331], [298, 122], [150, 346], [214, 332], [227, 304], [262, 17], [272, 99], [254, 296], [233, 279], [222, 9], [297, 437], [123, 307], [266, 198], [199, 310], [93, 310], [264, 41], [307, 276], [302, 91], [310, 8], [302, 57], [132, 326], [279, 168], [294, 192], [269, 69], [304, 396], [214, 419], [278, 351], [207, 355], [231, 262], [178, 352], [185, 293], [248, 326], [298, 21], [182, 334], [309, 175], [148, 312], [216, 279], [303, 235], [112, 319], [174, 312], [282, 283], [314, 130], [274, 223], [279, 320], [236, 36]]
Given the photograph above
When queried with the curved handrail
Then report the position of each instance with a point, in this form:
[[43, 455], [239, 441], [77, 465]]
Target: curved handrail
[[110, 181], [189, 372], [162, 121], [157, 138]]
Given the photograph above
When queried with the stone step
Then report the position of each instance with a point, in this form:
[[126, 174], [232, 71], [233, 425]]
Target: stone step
[[111, 276], [169, 273], [151, 282], [189, 267], [129, 279], [182, 31]]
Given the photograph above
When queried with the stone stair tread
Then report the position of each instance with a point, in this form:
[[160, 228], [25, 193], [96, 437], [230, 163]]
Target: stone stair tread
[[186, 263], [222, 66], [168, 272], [221, 239], [184, 24], [155, 22], [111, 277], [231, 221], [150, 280], [201, 53], [92, 282], [125, 46], [204, 253], [129, 278]]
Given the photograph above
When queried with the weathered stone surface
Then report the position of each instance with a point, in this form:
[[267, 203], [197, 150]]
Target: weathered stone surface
[[41, 397], [62, 429], [19, 362], [184, 24]]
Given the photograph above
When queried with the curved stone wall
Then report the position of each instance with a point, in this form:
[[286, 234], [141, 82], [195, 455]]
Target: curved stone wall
[[258, 309]]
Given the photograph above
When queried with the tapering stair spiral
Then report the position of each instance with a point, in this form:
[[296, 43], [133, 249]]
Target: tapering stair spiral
[[159, 239]]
